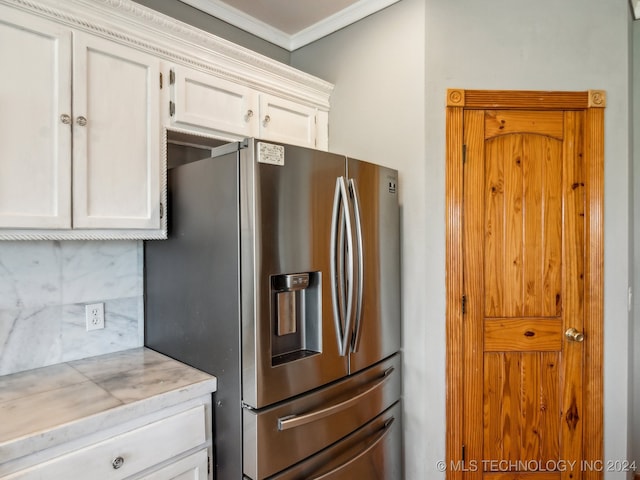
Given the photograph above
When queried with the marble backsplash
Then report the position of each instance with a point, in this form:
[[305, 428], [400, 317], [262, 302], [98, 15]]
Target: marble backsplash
[[44, 287]]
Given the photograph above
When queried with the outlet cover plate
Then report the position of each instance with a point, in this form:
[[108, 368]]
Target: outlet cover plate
[[94, 316]]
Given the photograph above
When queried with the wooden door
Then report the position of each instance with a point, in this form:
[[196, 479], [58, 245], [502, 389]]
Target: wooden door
[[524, 267]]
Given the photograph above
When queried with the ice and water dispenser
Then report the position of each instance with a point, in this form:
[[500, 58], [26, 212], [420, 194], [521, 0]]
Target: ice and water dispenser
[[296, 316]]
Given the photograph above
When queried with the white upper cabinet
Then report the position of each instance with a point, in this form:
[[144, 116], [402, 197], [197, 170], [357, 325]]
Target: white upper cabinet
[[35, 130], [88, 94], [229, 110], [210, 104], [285, 121], [80, 134], [116, 136]]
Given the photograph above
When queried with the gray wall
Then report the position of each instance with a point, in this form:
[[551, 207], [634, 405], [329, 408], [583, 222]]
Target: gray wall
[[391, 72]]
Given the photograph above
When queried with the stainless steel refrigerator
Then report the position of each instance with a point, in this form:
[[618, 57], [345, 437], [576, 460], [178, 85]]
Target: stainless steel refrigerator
[[280, 277]]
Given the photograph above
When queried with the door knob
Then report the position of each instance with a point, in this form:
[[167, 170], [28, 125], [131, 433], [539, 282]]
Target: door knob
[[574, 335]]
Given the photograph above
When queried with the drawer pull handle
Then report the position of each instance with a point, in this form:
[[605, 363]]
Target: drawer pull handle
[[117, 462], [293, 421]]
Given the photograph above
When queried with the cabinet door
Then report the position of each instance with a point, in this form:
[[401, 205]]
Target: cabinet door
[[116, 142], [193, 467], [212, 104], [285, 121], [35, 144]]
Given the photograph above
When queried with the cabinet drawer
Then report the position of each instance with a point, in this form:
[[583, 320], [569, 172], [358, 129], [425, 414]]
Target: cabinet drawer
[[193, 467], [128, 453]]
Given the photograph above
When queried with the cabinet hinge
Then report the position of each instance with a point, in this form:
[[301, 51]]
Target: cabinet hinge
[[464, 154], [161, 210], [160, 80], [172, 77], [208, 464], [464, 304], [172, 109]]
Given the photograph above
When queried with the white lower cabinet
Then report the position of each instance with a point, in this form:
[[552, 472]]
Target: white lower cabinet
[[171, 448]]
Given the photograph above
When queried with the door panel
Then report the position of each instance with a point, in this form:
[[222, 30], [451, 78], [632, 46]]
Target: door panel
[[521, 406], [524, 263], [116, 140], [523, 209], [211, 103], [282, 120]]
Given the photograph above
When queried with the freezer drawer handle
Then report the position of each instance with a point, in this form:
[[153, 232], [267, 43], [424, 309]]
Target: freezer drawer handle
[[293, 421], [381, 435]]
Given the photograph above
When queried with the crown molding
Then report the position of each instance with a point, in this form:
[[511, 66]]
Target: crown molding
[[242, 20], [246, 22], [335, 22], [133, 24]]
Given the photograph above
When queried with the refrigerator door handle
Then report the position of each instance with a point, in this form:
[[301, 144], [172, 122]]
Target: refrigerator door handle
[[341, 219], [293, 421], [355, 340], [380, 436], [333, 255]]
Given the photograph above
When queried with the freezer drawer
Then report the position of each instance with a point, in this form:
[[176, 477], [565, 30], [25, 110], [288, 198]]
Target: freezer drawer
[[374, 451], [281, 436]]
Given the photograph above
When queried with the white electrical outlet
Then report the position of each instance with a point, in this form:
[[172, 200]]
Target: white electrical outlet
[[94, 315]]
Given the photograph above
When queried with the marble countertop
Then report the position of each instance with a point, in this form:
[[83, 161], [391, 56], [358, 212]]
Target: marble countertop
[[48, 406]]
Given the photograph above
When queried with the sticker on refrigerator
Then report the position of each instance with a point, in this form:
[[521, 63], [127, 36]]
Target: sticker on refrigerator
[[271, 154]]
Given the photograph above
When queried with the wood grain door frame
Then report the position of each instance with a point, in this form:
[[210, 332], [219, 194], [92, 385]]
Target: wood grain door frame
[[592, 102]]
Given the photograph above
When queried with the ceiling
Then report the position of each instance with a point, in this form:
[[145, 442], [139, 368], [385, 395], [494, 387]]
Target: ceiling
[[290, 24]]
